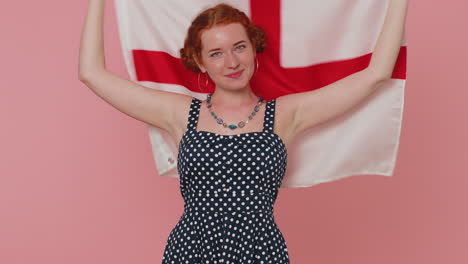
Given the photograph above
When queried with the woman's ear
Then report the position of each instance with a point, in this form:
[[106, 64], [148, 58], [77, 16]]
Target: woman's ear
[[254, 51], [200, 66]]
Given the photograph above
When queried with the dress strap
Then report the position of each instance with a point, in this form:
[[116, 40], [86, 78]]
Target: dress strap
[[269, 117], [194, 112]]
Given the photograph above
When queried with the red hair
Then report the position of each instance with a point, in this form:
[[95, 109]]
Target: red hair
[[221, 14]]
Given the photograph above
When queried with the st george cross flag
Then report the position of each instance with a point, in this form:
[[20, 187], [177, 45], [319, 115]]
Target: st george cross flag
[[310, 44]]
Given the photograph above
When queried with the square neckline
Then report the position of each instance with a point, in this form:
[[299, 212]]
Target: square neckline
[[195, 123], [267, 127]]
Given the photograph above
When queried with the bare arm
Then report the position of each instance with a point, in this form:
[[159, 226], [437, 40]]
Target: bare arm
[[145, 104], [92, 40], [318, 106], [388, 45]]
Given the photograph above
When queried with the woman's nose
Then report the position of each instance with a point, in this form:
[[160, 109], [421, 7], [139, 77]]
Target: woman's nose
[[231, 61]]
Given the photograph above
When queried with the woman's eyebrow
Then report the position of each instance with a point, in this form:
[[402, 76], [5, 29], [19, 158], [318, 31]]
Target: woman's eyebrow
[[238, 42]]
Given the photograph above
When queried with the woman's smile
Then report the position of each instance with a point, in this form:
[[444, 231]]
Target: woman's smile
[[235, 75]]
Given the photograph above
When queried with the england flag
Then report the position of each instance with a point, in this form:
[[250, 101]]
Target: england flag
[[310, 44]]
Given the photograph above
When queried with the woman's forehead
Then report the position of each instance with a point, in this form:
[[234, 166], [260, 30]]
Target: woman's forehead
[[223, 35]]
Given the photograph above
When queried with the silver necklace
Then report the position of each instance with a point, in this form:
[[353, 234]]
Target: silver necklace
[[241, 124]]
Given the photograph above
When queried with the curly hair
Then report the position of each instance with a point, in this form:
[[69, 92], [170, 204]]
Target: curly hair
[[221, 14]]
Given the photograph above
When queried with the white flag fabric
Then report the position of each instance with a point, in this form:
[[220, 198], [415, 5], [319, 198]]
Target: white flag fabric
[[310, 44]]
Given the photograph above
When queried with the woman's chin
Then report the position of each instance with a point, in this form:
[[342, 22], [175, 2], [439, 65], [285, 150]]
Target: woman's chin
[[236, 84]]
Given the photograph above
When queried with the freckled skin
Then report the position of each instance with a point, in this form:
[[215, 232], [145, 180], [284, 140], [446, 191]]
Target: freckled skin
[[229, 58]]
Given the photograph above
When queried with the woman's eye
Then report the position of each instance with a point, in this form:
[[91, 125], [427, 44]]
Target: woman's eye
[[240, 46], [214, 54]]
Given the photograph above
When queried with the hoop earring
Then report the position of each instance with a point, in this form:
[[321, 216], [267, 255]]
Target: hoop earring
[[206, 83], [256, 69]]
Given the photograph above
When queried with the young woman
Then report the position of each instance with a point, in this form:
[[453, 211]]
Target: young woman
[[230, 171]]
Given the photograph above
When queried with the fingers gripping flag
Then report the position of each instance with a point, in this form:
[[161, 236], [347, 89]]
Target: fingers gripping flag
[[310, 44]]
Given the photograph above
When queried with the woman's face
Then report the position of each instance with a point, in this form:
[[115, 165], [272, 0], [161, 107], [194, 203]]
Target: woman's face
[[227, 50]]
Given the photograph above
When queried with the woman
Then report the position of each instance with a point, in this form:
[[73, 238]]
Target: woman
[[230, 171]]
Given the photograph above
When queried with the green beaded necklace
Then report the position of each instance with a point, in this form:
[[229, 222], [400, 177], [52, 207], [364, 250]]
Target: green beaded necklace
[[241, 124]]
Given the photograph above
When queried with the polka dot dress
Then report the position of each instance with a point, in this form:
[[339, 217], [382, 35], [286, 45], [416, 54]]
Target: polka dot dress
[[229, 184]]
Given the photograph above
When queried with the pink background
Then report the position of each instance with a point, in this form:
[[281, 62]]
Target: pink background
[[78, 183]]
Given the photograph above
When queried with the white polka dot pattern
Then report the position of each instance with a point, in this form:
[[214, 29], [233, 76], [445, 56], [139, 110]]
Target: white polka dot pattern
[[229, 184]]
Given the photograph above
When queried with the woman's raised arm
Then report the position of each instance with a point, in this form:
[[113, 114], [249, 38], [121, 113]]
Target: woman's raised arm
[[320, 105], [151, 106]]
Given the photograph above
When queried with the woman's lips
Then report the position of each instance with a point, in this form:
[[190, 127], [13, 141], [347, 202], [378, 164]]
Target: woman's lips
[[235, 75]]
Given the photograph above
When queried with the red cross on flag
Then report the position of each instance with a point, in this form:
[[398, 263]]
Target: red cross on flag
[[310, 44]]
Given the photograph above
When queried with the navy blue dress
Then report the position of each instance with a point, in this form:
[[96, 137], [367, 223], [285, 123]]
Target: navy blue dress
[[229, 184]]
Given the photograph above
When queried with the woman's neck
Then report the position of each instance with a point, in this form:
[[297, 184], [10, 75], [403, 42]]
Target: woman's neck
[[233, 99]]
